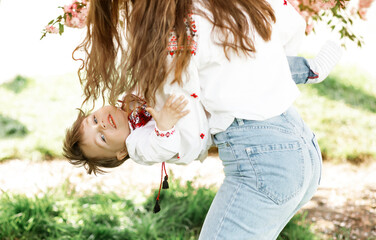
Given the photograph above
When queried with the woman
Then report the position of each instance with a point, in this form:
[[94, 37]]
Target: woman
[[231, 57]]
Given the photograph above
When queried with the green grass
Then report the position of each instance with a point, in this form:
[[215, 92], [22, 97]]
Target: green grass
[[341, 111], [63, 214], [10, 128], [45, 108], [17, 84]]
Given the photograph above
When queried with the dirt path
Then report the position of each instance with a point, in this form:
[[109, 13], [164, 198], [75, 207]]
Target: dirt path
[[343, 208]]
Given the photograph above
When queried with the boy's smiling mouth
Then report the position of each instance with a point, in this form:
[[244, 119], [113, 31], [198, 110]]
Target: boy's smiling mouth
[[111, 121]]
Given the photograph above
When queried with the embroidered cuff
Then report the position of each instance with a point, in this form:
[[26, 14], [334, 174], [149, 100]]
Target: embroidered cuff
[[166, 134]]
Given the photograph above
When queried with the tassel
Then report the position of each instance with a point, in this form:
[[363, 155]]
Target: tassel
[[157, 208], [165, 183]]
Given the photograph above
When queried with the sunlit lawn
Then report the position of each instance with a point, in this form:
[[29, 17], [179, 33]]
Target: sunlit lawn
[[341, 110], [45, 107], [36, 111], [63, 214]]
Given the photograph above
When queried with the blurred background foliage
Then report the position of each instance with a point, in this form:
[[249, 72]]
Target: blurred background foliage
[[35, 115], [341, 111], [39, 104]]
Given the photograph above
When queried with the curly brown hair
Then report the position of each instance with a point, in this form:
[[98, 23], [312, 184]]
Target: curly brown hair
[[126, 41], [73, 152]]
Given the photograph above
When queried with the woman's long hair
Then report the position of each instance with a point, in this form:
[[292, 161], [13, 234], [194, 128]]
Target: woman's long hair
[[126, 42]]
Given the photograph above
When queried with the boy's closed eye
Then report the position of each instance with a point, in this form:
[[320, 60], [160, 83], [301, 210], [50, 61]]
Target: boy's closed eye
[[103, 138]]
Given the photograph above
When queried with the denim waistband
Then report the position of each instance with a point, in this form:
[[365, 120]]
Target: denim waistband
[[289, 122]]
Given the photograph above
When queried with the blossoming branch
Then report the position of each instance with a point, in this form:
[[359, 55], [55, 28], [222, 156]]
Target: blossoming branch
[[74, 16]]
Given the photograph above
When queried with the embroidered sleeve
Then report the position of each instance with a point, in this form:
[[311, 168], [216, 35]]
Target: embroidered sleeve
[[163, 134], [146, 147]]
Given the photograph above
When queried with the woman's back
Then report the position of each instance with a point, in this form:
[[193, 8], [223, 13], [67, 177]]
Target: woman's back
[[254, 88]]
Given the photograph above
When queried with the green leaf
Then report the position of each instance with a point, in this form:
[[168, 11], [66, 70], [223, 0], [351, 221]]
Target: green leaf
[[61, 28], [44, 34], [50, 22]]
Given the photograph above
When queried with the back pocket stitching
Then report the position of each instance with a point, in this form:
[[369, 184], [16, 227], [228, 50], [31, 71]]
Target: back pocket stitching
[[294, 146]]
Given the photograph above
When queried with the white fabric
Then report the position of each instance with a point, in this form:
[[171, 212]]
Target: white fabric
[[191, 139], [144, 146], [249, 88]]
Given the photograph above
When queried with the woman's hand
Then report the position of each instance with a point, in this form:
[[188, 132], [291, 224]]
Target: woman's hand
[[171, 112]]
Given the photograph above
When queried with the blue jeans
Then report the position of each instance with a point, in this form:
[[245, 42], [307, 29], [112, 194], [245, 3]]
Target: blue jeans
[[272, 168], [300, 70]]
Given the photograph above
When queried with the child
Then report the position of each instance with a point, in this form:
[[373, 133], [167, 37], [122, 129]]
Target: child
[[108, 137]]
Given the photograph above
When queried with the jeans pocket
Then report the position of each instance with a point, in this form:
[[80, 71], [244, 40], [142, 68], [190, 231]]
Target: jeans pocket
[[279, 169], [225, 151]]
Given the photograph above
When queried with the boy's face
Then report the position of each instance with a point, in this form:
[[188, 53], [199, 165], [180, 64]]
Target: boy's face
[[104, 133]]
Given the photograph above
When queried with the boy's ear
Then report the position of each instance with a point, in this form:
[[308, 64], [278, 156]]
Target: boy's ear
[[122, 154]]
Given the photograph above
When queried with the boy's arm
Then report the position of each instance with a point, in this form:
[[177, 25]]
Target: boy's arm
[[170, 114], [148, 145], [158, 140], [189, 140]]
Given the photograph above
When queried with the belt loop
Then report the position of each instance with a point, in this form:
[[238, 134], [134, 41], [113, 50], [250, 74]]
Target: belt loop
[[240, 121]]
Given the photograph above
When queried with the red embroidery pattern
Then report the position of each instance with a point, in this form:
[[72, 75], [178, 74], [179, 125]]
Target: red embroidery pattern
[[167, 134], [202, 136], [139, 117], [194, 95], [192, 40], [284, 2]]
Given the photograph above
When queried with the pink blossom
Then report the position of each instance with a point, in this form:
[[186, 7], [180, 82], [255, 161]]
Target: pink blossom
[[362, 13], [309, 28], [76, 14], [67, 9], [51, 29], [363, 8], [84, 12], [295, 4], [326, 5], [75, 22], [365, 3]]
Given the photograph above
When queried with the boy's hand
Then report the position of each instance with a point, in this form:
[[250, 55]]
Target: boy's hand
[[171, 112]]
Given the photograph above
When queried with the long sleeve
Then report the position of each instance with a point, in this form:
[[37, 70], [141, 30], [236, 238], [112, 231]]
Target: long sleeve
[[147, 147], [191, 139]]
